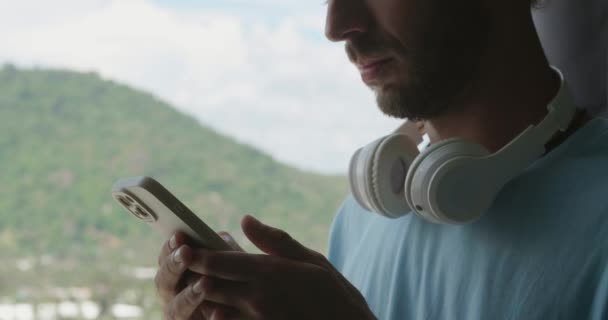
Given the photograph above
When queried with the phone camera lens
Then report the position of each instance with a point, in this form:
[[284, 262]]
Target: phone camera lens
[[140, 212], [143, 214], [129, 200], [136, 208], [124, 201]]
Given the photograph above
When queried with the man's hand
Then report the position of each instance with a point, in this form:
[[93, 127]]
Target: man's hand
[[178, 287], [290, 282]]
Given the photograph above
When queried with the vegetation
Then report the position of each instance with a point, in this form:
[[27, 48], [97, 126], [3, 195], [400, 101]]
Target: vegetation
[[65, 137]]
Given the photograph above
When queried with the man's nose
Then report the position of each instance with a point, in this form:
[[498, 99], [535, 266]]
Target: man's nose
[[346, 19]]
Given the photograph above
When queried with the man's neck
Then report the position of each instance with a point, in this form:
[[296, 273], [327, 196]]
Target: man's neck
[[511, 91]]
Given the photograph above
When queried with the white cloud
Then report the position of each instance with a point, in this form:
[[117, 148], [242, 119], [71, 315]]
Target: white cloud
[[271, 85]]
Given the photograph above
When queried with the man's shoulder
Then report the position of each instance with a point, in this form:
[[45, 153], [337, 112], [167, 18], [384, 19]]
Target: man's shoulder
[[348, 213], [581, 160], [595, 137]]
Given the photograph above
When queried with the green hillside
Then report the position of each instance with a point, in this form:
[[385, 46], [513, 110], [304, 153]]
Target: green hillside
[[65, 137]]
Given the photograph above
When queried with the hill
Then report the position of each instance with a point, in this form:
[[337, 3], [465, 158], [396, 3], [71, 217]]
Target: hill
[[65, 137]]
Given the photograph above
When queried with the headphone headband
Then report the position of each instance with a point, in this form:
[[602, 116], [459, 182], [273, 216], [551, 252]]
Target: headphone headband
[[562, 110]]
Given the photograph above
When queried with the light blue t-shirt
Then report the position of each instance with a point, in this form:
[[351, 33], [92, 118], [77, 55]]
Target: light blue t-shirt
[[540, 252]]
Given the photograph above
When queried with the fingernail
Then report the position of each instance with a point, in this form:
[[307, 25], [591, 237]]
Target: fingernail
[[226, 237], [173, 243], [177, 256], [198, 287]]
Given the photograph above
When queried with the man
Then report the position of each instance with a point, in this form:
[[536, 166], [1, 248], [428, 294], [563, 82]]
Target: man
[[470, 69]]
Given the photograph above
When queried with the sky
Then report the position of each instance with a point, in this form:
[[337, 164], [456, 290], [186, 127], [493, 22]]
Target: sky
[[259, 71]]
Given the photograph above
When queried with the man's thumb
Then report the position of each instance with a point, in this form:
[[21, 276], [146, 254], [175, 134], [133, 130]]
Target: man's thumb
[[273, 241]]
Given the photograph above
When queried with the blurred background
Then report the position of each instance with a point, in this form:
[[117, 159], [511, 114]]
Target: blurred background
[[237, 106]]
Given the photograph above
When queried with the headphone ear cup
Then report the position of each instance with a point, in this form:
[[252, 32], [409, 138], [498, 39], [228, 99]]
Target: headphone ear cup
[[434, 186], [391, 162], [359, 174], [415, 170], [377, 174]]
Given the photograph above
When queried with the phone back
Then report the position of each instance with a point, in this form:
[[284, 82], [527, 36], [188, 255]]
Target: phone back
[[149, 201]]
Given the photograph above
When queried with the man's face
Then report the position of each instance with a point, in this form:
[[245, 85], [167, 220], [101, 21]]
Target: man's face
[[416, 55]]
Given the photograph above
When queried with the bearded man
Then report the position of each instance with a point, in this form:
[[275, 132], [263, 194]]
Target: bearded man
[[473, 70]]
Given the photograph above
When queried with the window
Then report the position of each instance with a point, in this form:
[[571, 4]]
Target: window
[[236, 106]]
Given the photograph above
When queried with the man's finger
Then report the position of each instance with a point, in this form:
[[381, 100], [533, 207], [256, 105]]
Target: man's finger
[[229, 265], [207, 308], [228, 293], [187, 302], [176, 241], [275, 241], [226, 314], [171, 270]]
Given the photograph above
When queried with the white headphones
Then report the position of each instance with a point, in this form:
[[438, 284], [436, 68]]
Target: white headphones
[[454, 181]]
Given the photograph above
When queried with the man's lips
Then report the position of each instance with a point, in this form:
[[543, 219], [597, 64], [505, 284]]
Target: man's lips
[[369, 64], [370, 69]]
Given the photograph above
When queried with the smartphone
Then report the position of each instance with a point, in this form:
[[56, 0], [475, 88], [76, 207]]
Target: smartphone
[[150, 202]]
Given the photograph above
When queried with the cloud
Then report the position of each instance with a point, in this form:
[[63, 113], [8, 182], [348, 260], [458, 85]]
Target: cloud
[[269, 81]]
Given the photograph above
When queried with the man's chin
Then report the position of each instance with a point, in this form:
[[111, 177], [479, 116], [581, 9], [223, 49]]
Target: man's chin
[[400, 103], [389, 102]]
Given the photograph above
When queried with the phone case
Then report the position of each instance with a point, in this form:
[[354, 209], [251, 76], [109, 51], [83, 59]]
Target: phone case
[[147, 199]]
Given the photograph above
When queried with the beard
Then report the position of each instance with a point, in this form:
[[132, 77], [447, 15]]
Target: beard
[[439, 64]]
